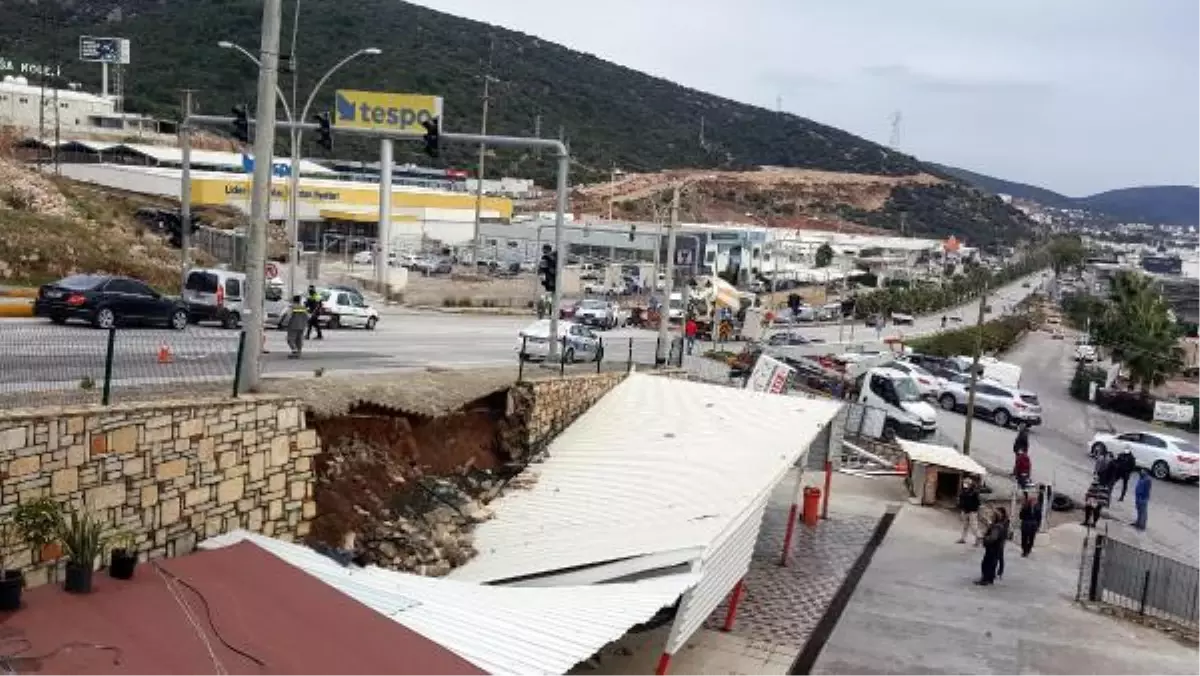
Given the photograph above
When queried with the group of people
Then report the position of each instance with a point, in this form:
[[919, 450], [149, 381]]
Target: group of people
[[303, 321], [1107, 471], [996, 533]]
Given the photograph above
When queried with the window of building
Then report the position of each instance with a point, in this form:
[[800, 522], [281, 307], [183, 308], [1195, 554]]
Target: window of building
[[23, 99], [710, 256], [63, 104]]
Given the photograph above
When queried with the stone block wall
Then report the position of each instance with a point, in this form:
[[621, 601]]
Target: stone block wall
[[168, 473], [538, 410]]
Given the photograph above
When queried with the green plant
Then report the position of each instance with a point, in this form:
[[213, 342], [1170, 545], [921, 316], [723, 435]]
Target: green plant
[[38, 520], [82, 536], [87, 383]]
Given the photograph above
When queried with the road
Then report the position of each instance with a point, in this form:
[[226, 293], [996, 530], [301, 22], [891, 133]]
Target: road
[[1058, 449]]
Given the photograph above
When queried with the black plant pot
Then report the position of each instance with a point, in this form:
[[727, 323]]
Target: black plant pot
[[121, 565], [12, 582], [79, 579]]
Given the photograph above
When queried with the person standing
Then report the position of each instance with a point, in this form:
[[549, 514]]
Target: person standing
[[313, 304], [1101, 468], [968, 509], [689, 331], [1125, 466], [1141, 499], [1021, 443], [1031, 520], [297, 322], [1022, 469], [1094, 502], [993, 548]]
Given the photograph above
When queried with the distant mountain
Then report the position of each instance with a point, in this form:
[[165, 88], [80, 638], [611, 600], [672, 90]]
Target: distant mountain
[[1169, 204]]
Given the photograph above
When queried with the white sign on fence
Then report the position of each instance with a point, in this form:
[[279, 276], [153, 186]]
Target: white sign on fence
[[769, 375], [1166, 411]]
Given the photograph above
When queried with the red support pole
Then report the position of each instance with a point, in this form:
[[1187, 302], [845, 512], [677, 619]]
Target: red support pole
[[828, 481], [735, 597], [664, 661], [793, 516]]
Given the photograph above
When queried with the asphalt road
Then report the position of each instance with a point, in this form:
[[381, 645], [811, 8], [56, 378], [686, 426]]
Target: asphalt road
[[1058, 450]]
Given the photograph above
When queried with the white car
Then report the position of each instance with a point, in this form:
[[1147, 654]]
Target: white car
[[929, 384], [1164, 455], [340, 308], [1085, 353], [576, 342]]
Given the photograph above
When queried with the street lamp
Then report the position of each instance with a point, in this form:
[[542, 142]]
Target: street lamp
[[295, 138]]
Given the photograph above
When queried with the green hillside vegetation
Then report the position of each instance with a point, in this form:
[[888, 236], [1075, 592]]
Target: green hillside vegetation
[[610, 115]]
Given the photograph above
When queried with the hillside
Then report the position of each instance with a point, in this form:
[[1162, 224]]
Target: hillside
[[610, 115], [1168, 204]]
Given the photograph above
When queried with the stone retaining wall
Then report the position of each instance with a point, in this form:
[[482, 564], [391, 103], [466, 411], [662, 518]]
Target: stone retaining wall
[[169, 473], [538, 410]]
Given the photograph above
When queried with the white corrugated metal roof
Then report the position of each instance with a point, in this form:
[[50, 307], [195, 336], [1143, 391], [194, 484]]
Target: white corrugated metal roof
[[173, 154], [657, 465], [941, 455], [502, 630]]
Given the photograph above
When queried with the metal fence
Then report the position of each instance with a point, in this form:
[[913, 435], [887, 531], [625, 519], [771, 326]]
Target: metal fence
[[614, 353], [45, 363], [227, 246], [1119, 575]]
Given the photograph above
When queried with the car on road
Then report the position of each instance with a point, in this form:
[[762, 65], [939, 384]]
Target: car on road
[[213, 294], [790, 338], [1002, 404], [928, 383], [433, 266], [576, 342], [1164, 455], [340, 308], [600, 313], [1085, 353], [902, 319], [106, 301]]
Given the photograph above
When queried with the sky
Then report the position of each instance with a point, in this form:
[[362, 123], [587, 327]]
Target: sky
[[1078, 96]]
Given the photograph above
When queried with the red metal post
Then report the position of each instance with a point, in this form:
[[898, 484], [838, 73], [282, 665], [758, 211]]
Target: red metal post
[[828, 481], [793, 516], [735, 597], [664, 661]]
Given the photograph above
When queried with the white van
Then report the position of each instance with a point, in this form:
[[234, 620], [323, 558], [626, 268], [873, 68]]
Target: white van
[[214, 295], [906, 413]]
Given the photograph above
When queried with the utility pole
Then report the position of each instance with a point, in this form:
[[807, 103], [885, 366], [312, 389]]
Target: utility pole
[[293, 206], [185, 188], [260, 196], [487, 80], [664, 321], [537, 133], [384, 244], [974, 373]]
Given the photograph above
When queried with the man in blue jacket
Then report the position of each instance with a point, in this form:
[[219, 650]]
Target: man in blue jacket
[[1141, 498]]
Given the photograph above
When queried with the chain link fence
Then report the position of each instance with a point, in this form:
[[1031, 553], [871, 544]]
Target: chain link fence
[[49, 364]]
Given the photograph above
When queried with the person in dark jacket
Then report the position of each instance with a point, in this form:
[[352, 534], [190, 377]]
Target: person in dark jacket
[[1141, 499], [993, 548], [1124, 466], [1097, 498], [312, 303], [968, 509], [295, 328], [1031, 520], [1021, 443]]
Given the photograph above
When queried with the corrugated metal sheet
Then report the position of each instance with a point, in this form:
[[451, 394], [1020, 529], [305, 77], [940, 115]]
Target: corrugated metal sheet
[[656, 465], [503, 630], [941, 455], [173, 154]]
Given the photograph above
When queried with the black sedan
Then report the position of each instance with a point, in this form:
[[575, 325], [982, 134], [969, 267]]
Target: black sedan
[[104, 301]]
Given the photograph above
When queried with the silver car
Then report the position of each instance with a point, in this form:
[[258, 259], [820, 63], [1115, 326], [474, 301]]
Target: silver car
[[576, 342], [1000, 403]]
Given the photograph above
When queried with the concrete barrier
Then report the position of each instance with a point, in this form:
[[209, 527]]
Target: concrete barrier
[[16, 307], [18, 292]]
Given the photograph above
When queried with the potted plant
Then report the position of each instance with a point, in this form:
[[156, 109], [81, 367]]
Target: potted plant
[[38, 522], [123, 557], [12, 581], [83, 542]]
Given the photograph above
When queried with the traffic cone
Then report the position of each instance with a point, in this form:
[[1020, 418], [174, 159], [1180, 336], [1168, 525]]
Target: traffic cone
[[164, 354]]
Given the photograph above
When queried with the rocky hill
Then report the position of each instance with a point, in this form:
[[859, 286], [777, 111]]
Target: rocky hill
[[610, 115]]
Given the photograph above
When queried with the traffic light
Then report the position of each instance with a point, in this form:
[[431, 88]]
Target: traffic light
[[324, 133], [241, 123], [432, 131], [548, 268], [632, 231]]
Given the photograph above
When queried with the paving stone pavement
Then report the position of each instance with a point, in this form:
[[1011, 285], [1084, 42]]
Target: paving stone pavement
[[782, 605]]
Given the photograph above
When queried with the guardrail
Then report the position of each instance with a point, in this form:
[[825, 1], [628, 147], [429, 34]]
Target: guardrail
[[80, 365], [613, 354]]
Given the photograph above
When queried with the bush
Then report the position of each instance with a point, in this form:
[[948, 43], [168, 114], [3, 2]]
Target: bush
[[997, 336], [1085, 374]]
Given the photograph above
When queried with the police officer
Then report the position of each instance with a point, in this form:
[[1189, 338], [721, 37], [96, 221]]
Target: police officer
[[297, 322], [313, 304]]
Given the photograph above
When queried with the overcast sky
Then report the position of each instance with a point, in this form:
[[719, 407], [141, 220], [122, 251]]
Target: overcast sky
[[1078, 96]]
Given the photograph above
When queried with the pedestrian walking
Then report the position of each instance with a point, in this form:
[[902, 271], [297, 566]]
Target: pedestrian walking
[[689, 331], [993, 548], [1141, 499], [297, 323], [1021, 443], [1100, 469], [1094, 502], [313, 304], [968, 510], [1031, 520], [1125, 466]]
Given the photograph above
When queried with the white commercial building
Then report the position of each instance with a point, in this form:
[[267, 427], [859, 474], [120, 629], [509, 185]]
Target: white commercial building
[[40, 112]]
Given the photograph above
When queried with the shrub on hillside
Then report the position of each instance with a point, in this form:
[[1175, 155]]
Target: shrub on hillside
[[996, 336]]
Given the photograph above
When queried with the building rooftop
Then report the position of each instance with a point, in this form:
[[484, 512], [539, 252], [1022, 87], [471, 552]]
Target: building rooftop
[[237, 610]]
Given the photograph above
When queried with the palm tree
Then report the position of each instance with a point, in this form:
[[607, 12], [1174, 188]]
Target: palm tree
[[1137, 325]]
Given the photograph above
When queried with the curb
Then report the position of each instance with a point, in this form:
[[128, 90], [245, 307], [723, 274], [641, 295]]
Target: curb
[[16, 308]]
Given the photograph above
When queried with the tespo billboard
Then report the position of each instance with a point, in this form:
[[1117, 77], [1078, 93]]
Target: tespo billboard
[[384, 111]]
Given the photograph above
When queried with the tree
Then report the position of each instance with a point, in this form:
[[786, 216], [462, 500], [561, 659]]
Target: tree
[[824, 255], [1066, 252], [1138, 327]]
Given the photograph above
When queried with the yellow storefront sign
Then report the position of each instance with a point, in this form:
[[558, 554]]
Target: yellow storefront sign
[[384, 111]]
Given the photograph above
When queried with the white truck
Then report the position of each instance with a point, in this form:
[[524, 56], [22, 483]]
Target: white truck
[[896, 396]]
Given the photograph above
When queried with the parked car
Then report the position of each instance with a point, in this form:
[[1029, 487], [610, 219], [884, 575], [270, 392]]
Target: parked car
[[340, 308], [999, 403], [576, 342], [106, 301], [1085, 353], [1164, 455], [433, 266], [901, 319], [928, 383], [214, 295], [598, 313]]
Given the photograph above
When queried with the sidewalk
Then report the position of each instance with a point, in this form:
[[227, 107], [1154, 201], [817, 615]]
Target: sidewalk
[[917, 611]]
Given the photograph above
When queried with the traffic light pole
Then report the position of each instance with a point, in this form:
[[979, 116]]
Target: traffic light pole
[[559, 148], [383, 243]]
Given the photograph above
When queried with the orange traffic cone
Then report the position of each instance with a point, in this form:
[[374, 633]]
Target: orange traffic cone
[[164, 354]]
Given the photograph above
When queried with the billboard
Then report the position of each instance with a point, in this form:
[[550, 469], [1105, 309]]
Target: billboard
[[769, 375], [385, 111], [103, 50]]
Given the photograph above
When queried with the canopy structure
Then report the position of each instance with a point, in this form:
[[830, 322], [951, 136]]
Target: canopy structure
[[943, 456]]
